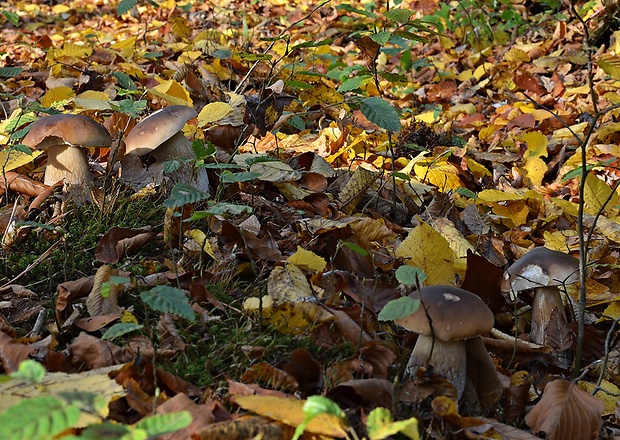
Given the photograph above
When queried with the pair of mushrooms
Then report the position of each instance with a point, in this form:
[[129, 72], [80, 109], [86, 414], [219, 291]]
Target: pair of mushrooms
[[450, 322], [66, 139]]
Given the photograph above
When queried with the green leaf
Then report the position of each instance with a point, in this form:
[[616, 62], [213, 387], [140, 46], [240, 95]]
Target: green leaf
[[248, 56], [170, 166], [353, 83], [11, 16], [349, 8], [129, 107], [223, 208], [22, 148], [121, 329], [297, 123], [182, 194], [245, 176], [37, 418], [466, 192], [314, 406], [125, 6], [380, 425], [355, 248], [29, 370], [398, 15], [410, 275], [381, 37], [313, 43], [124, 80], [10, 72], [168, 299], [398, 308], [380, 112], [164, 423]]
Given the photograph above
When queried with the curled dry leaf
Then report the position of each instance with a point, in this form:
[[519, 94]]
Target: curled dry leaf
[[566, 412], [370, 393], [118, 242], [201, 416]]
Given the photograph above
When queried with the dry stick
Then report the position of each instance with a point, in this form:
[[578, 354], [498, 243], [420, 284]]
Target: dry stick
[[305, 17]]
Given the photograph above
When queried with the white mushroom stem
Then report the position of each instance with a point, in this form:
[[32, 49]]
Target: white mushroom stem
[[447, 358], [180, 148], [71, 164], [546, 300]]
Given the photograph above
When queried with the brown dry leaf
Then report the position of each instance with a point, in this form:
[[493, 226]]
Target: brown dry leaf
[[95, 323], [118, 242], [356, 188], [369, 393], [251, 389], [306, 370], [21, 184], [12, 352], [175, 385], [170, 341], [69, 291], [271, 376], [98, 304], [290, 412], [89, 352], [247, 428], [201, 416], [446, 408], [566, 412]]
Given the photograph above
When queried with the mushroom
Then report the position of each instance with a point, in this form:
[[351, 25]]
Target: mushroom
[[65, 138], [161, 135], [450, 322], [544, 271]]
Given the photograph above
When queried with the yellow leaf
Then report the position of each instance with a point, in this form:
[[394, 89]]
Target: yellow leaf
[[290, 412], [180, 29], [516, 212], [93, 381], [536, 144], [599, 197], [556, 240], [126, 47], [608, 395], [495, 195], [515, 54], [535, 169], [288, 283], [483, 70], [477, 169], [438, 172], [298, 317], [610, 64], [70, 50], [173, 92], [426, 248], [307, 260], [12, 159], [58, 95], [569, 208], [213, 112], [607, 130], [565, 133], [60, 9], [457, 242], [92, 100], [200, 237], [426, 117]]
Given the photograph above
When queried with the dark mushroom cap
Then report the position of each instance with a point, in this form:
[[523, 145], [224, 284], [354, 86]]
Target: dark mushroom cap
[[541, 267], [156, 129], [454, 313], [70, 130]]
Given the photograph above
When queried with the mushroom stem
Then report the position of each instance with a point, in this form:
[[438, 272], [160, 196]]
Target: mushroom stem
[[483, 388], [546, 301], [71, 164], [447, 358], [179, 147]]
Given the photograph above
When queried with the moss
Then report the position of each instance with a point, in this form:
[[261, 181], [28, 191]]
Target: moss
[[74, 241]]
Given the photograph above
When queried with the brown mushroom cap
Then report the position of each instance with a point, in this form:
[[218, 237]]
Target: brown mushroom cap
[[454, 313], [541, 267], [71, 130], [157, 128]]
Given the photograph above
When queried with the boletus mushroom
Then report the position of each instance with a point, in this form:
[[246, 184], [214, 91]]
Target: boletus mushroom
[[161, 135], [544, 271], [449, 323], [66, 138]]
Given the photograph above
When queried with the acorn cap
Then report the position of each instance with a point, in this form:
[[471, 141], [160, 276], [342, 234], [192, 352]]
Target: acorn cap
[[157, 128], [541, 267], [70, 130], [454, 313]]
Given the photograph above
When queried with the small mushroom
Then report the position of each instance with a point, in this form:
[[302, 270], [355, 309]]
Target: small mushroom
[[65, 138], [450, 322], [544, 271], [161, 135]]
